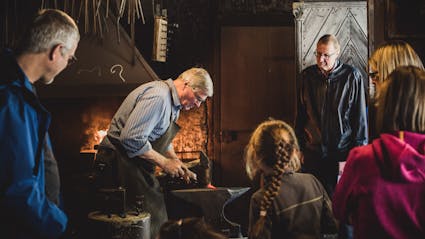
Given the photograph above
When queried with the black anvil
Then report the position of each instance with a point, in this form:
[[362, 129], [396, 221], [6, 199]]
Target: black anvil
[[212, 203]]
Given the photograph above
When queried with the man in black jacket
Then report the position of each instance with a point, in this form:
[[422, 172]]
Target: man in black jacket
[[331, 112]]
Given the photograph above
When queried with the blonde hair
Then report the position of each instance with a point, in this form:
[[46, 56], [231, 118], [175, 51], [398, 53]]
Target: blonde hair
[[392, 54], [401, 102], [268, 147], [199, 79]]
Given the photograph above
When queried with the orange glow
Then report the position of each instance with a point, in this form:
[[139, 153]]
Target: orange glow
[[99, 135], [94, 137], [97, 128]]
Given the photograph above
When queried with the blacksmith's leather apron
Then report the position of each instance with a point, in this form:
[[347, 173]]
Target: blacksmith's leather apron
[[137, 176]]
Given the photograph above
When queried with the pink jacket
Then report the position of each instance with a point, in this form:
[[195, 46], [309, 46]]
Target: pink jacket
[[382, 188]]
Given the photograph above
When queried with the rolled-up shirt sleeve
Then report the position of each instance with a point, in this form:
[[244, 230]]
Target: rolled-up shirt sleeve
[[146, 115]]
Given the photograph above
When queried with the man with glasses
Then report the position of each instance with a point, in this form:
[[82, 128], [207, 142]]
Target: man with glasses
[[331, 112], [139, 139], [29, 176]]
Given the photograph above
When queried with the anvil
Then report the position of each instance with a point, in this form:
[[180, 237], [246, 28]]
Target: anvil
[[212, 203]]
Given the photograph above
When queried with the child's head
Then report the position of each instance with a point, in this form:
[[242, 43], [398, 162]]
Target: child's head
[[272, 150], [273, 143], [401, 102]]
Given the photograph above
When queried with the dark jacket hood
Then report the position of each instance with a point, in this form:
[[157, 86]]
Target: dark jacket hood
[[401, 158]]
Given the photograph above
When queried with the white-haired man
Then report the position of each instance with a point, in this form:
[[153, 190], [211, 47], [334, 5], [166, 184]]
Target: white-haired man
[[140, 135]]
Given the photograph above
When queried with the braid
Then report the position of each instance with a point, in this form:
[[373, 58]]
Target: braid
[[283, 152]]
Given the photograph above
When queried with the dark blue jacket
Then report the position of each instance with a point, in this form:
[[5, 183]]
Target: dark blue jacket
[[331, 110], [25, 210]]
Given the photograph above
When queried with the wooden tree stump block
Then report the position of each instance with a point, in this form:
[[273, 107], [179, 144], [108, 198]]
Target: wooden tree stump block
[[132, 226]]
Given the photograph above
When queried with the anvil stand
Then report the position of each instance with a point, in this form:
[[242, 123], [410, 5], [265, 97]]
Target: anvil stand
[[212, 203]]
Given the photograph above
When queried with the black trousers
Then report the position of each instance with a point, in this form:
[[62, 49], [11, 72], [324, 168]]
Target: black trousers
[[326, 169]]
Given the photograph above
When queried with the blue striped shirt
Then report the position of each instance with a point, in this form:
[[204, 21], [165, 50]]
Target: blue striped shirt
[[143, 117]]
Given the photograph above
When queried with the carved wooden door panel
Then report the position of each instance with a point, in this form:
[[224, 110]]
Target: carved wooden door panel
[[346, 20]]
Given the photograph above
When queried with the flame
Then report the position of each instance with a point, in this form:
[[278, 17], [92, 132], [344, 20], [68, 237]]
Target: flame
[[97, 129], [94, 137], [99, 135]]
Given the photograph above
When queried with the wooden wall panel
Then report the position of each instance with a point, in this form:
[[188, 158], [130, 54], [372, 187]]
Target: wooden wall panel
[[257, 81]]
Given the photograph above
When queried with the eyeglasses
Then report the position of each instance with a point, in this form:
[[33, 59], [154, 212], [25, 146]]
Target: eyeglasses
[[198, 98], [373, 74], [325, 55], [71, 60]]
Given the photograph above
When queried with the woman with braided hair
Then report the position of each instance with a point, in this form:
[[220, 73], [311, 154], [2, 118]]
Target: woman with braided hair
[[288, 204]]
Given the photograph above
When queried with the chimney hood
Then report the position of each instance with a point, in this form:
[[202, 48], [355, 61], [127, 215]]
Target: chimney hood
[[107, 66]]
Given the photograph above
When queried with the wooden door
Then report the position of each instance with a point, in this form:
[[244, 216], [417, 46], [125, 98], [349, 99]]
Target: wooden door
[[257, 81]]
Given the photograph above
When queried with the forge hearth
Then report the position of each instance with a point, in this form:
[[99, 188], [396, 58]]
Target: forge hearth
[[74, 118]]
